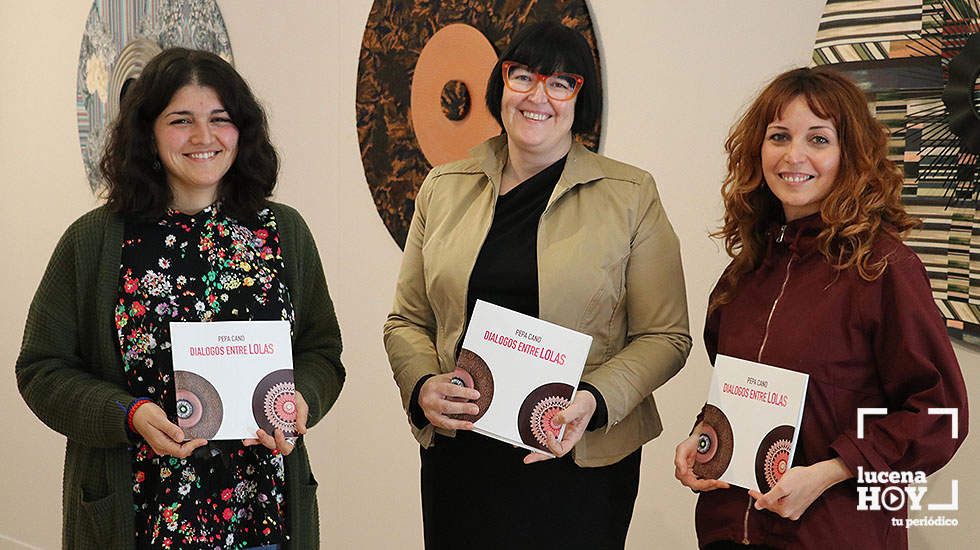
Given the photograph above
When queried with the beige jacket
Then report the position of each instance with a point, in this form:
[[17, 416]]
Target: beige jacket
[[609, 265]]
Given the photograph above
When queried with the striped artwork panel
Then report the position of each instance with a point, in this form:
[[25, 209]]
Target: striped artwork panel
[[862, 30], [898, 51]]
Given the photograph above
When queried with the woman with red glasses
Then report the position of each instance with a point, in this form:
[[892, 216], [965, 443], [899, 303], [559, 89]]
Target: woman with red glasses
[[535, 222]]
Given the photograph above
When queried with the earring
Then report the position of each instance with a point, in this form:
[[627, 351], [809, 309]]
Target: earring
[[156, 165]]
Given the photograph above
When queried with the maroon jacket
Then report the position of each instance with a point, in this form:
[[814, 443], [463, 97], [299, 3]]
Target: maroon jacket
[[864, 344]]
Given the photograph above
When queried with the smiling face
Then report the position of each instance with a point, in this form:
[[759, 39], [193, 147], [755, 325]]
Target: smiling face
[[197, 142], [536, 124], [800, 158]]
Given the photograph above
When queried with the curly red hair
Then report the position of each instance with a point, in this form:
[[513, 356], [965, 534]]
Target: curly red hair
[[864, 201]]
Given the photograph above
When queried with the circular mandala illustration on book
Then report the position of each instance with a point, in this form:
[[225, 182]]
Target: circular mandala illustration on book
[[535, 419], [715, 444], [274, 403], [472, 372], [772, 458], [199, 409]]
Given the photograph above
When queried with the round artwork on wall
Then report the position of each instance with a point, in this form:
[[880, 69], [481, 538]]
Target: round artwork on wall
[[120, 37], [421, 81], [919, 63]]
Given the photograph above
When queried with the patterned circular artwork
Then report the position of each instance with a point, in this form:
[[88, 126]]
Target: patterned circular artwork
[[535, 419], [772, 457], [421, 81], [120, 37], [274, 403], [919, 62]]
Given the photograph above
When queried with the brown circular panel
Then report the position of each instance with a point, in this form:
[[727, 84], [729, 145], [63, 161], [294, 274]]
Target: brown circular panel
[[461, 53], [392, 137]]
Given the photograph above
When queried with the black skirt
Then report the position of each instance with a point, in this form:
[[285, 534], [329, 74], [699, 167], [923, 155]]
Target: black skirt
[[477, 493]]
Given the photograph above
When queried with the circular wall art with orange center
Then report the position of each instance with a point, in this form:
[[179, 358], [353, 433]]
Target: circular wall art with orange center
[[421, 82]]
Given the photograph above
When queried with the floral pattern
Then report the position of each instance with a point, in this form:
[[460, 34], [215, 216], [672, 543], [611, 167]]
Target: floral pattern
[[205, 267]]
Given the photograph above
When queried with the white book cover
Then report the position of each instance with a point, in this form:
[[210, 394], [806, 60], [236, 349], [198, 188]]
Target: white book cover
[[751, 423], [233, 377], [526, 370]]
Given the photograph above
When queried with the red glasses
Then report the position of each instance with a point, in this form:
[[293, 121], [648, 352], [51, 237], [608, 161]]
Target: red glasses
[[558, 86]]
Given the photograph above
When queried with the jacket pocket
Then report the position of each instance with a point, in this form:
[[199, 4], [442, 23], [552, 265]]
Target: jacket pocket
[[98, 524], [305, 517]]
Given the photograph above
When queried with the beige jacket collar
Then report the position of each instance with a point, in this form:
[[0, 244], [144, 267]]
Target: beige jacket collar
[[581, 166]]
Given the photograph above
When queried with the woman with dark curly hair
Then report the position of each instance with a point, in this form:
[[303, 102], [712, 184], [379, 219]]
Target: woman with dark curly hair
[[187, 234], [821, 283]]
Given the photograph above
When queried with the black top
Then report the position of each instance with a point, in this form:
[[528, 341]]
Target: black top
[[506, 270]]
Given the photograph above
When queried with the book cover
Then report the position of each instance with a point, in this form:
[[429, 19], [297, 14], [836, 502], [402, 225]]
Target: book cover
[[233, 377], [526, 370], [751, 423]]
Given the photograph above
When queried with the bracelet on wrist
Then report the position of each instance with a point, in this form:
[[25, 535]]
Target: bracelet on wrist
[[136, 404]]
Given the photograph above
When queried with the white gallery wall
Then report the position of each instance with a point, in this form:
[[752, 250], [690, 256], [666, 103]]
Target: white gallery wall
[[676, 77]]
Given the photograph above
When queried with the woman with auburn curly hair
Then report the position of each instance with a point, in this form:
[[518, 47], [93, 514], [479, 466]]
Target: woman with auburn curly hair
[[821, 283]]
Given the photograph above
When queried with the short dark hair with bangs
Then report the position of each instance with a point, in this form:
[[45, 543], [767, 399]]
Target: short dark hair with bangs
[[136, 186], [550, 47]]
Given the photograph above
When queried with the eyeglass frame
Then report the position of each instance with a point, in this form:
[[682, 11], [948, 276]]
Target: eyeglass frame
[[543, 78]]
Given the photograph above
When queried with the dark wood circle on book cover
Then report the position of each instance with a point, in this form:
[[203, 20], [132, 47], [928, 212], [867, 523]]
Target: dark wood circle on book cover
[[199, 408], [473, 372], [715, 444]]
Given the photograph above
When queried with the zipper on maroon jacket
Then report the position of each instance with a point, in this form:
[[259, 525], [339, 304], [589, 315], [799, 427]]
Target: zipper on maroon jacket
[[762, 347]]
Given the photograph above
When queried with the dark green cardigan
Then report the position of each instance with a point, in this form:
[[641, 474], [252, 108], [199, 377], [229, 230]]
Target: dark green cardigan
[[70, 374]]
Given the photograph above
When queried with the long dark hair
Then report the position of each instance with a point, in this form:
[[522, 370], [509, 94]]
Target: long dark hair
[[136, 185]]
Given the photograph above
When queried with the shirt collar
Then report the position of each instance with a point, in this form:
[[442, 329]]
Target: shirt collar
[[582, 165]]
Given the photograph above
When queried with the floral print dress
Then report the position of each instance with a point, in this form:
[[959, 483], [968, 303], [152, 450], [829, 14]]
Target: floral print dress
[[202, 267]]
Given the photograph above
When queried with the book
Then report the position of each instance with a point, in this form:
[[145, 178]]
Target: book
[[526, 370], [232, 378], [751, 423]]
